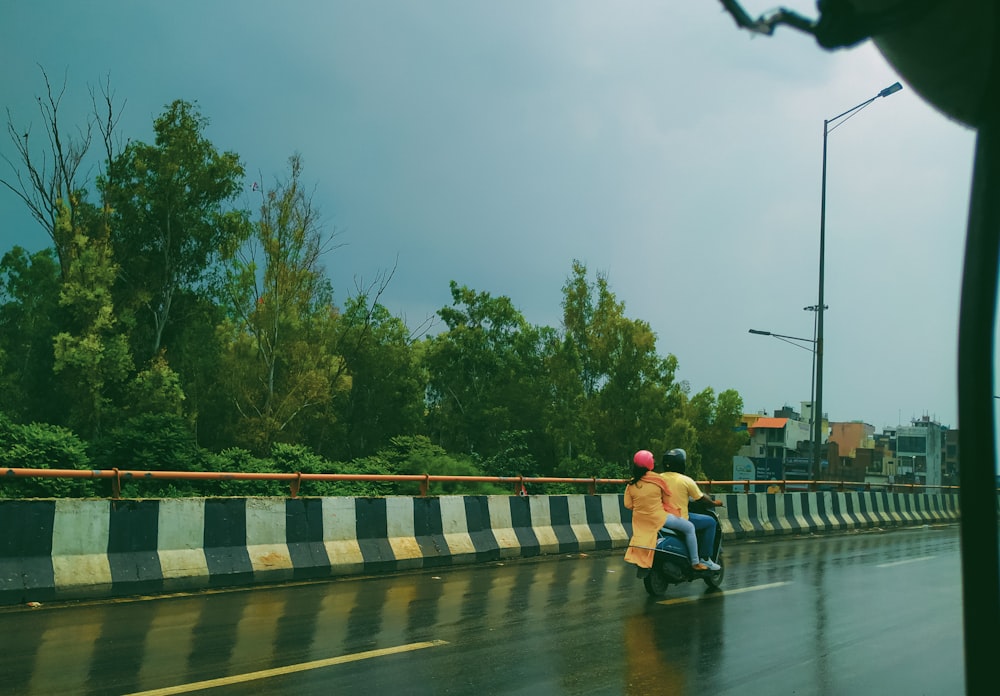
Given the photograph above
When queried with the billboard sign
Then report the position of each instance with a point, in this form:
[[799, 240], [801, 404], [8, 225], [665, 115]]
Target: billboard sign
[[743, 470]]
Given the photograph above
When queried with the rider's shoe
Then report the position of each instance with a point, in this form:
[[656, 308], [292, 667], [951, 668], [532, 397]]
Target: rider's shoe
[[699, 567], [712, 565]]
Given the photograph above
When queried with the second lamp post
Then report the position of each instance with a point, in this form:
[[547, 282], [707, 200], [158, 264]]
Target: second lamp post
[[818, 406]]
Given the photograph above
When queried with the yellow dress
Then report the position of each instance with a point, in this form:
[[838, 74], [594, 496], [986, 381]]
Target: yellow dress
[[645, 500]]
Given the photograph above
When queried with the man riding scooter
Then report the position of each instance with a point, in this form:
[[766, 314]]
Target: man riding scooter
[[683, 489]]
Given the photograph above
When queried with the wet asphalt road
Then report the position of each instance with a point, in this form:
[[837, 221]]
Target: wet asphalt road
[[861, 613]]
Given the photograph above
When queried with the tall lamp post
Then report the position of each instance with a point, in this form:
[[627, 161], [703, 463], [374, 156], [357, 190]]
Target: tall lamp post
[[812, 386], [820, 306]]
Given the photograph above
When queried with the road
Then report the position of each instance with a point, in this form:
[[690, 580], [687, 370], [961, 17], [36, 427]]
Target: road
[[868, 612]]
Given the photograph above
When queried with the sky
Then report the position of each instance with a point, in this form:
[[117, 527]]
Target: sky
[[494, 143]]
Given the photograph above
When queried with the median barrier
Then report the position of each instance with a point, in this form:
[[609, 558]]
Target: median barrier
[[63, 549]]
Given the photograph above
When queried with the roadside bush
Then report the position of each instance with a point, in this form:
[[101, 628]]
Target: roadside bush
[[240, 460], [42, 446], [514, 457], [151, 442], [418, 455]]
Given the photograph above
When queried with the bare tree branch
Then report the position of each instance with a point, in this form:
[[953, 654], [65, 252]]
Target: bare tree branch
[[43, 185]]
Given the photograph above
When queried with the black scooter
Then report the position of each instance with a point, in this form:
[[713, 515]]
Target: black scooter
[[671, 563]]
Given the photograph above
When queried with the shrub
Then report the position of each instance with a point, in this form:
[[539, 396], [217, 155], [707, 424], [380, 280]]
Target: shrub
[[42, 446], [240, 460], [151, 442]]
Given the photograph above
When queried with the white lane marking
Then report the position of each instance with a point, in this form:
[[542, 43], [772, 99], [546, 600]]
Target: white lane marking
[[908, 560], [725, 593], [288, 669]]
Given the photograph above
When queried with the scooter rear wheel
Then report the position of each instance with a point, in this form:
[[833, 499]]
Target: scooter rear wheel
[[656, 584]]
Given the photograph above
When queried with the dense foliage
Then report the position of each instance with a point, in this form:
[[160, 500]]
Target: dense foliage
[[168, 329]]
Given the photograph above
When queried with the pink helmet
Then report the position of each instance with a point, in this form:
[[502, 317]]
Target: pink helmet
[[644, 458]]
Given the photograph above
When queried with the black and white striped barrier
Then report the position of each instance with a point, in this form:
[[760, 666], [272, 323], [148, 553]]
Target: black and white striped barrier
[[69, 548]]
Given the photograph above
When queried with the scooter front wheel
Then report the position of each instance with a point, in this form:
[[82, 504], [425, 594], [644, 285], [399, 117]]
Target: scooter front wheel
[[656, 584], [714, 578]]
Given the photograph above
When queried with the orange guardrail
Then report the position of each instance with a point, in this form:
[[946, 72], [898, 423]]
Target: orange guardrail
[[295, 480], [795, 485]]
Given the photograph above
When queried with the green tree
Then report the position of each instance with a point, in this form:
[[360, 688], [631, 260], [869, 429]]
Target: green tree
[[29, 319], [386, 397], [196, 355], [513, 458], [281, 365], [167, 204], [150, 442], [156, 389], [716, 421], [613, 390], [485, 374], [681, 432], [91, 353], [567, 424]]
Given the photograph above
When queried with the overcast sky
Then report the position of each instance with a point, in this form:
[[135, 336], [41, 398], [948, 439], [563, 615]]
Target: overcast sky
[[492, 143]]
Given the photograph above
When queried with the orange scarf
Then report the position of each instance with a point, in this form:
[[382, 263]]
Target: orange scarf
[[665, 492]]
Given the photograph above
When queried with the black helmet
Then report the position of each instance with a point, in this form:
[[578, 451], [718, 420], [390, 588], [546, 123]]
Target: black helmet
[[675, 460]]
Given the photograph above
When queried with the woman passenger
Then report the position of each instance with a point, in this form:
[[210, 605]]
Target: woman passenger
[[648, 497]]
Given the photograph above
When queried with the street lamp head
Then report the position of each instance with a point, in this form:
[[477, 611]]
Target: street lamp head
[[760, 333], [891, 89]]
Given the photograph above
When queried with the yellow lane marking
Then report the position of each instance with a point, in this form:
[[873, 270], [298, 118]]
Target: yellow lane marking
[[908, 560], [726, 593], [288, 669]]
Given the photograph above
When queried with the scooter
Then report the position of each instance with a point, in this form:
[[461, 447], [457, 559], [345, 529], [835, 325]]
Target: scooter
[[672, 565]]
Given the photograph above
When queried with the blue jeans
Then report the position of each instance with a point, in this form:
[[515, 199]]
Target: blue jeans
[[705, 528], [679, 524]]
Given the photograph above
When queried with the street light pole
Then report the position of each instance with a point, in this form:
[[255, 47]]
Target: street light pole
[[798, 343], [812, 387], [820, 305], [786, 338]]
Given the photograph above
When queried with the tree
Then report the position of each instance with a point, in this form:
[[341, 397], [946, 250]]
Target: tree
[[612, 389], [156, 389], [281, 365], [566, 418], [169, 224], [91, 353], [717, 421], [514, 458], [197, 348], [29, 319], [150, 442], [485, 374], [47, 180], [386, 398]]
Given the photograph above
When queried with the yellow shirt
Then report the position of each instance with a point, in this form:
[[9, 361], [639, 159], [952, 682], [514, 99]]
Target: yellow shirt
[[682, 488]]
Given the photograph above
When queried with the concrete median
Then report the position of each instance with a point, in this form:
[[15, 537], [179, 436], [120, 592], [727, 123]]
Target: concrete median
[[63, 549]]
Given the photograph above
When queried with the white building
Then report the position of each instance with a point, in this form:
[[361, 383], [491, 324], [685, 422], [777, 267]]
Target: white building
[[918, 452]]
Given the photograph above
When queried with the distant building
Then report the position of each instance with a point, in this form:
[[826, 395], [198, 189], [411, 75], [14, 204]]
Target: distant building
[[924, 453], [855, 441], [780, 445], [850, 436], [918, 452], [949, 459]]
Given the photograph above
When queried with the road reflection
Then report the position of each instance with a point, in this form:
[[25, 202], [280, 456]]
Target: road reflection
[[667, 654], [576, 623]]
